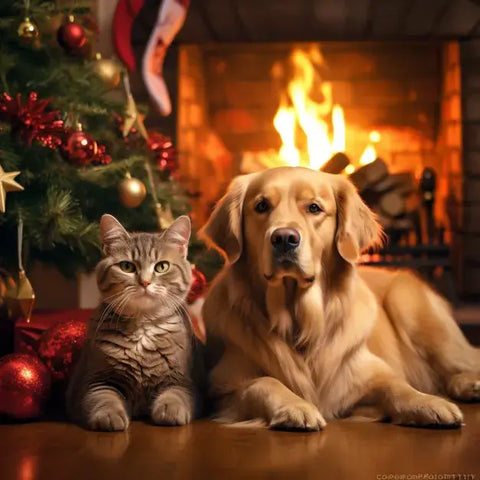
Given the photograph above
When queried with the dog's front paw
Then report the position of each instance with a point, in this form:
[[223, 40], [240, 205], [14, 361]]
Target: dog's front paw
[[112, 418], [299, 416], [172, 408], [465, 387], [428, 411]]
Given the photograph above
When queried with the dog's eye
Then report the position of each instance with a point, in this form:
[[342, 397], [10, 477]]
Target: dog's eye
[[127, 267], [262, 206], [315, 208]]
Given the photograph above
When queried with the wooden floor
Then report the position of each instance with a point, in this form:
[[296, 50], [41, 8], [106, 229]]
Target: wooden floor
[[205, 450]]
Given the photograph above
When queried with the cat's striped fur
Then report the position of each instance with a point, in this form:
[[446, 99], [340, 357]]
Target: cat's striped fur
[[138, 358]]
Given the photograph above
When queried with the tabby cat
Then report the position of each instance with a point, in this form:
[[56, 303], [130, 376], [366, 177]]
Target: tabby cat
[[138, 358]]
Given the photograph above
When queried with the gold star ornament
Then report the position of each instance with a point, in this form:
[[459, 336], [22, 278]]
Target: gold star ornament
[[7, 184], [133, 119]]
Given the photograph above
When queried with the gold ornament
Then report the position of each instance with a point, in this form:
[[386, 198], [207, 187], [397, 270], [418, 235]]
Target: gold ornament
[[108, 70], [7, 184], [20, 298], [132, 117], [132, 191], [27, 31], [164, 216]]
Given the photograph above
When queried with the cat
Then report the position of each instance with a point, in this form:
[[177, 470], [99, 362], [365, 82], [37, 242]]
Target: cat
[[139, 356]]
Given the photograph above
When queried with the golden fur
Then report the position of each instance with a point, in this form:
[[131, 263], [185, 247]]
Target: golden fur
[[312, 341]]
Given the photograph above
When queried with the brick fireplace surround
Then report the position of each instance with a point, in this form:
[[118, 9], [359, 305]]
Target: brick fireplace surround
[[447, 86]]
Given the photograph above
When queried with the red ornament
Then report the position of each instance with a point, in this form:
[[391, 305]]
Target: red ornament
[[198, 287], [164, 152], [101, 158], [31, 120], [24, 386], [79, 148], [59, 347], [71, 36]]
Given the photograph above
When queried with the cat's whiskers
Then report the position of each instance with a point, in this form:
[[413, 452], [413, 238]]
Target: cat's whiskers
[[114, 301]]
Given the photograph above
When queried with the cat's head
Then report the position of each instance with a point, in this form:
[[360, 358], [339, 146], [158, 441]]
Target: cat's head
[[143, 272]]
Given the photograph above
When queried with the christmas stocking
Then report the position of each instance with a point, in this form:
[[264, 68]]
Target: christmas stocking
[[171, 16]]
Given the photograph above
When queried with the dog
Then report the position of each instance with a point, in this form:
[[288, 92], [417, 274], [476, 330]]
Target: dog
[[308, 336]]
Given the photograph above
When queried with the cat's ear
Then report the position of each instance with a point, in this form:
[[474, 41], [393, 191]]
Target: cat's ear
[[179, 232], [111, 231]]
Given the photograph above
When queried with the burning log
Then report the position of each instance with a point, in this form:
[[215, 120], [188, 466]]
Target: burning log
[[336, 164], [369, 175]]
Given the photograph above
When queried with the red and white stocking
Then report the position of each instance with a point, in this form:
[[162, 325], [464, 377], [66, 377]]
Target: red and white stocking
[[171, 16]]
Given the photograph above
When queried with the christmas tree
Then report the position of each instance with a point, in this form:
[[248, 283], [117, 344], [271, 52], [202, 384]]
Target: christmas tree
[[73, 145]]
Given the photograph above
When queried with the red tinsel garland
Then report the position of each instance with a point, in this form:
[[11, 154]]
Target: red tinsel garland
[[31, 120]]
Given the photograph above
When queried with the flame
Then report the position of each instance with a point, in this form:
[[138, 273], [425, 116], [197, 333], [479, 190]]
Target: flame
[[311, 126], [370, 154], [301, 109], [284, 123], [349, 169]]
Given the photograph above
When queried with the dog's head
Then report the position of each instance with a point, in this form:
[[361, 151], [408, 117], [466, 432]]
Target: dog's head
[[289, 221]]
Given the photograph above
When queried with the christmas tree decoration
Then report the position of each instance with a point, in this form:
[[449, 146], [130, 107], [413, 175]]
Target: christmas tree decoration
[[31, 120], [132, 191], [164, 215], [27, 31], [20, 297], [108, 70], [79, 148], [101, 157], [132, 117], [198, 287], [65, 195], [24, 386], [71, 35], [7, 184], [60, 345], [165, 154]]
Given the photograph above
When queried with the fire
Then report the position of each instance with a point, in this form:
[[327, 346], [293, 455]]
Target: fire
[[311, 126], [370, 154]]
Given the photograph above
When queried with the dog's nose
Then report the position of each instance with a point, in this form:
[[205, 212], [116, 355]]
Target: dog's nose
[[285, 239]]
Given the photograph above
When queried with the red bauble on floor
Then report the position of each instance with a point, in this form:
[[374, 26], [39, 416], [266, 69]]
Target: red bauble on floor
[[60, 345], [24, 386]]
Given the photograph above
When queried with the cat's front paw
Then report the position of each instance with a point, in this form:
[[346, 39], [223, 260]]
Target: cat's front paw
[[108, 419], [172, 407]]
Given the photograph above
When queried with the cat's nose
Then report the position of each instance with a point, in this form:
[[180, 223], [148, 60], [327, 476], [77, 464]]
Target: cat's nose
[[145, 283]]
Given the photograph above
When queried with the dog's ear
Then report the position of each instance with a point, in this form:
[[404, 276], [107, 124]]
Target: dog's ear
[[223, 229], [357, 227]]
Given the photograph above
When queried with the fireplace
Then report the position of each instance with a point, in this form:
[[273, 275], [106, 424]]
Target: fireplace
[[394, 81]]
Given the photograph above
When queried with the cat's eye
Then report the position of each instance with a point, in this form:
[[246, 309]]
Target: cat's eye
[[127, 267], [162, 267]]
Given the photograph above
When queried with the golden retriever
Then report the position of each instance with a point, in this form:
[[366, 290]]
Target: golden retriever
[[307, 334]]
